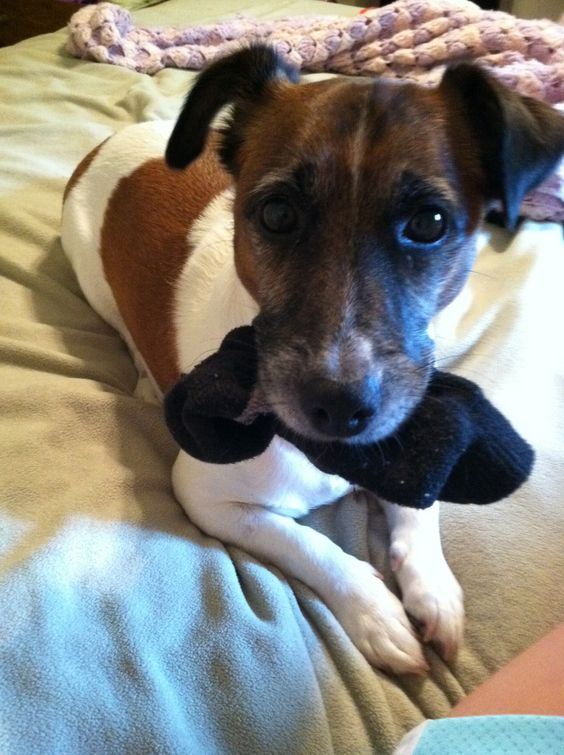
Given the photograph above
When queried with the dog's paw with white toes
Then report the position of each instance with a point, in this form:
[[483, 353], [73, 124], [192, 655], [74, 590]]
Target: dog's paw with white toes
[[432, 596], [377, 624]]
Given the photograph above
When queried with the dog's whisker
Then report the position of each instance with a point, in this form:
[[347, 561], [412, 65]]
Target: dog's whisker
[[483, 275]]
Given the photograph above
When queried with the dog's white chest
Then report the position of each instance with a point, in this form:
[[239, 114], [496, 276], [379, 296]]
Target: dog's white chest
[[286, 481], [281, 479]]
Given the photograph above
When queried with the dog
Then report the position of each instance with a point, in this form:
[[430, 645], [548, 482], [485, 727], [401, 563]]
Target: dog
[[342, 215]]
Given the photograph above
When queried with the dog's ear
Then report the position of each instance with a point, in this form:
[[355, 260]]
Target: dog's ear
[[242, 79], [521, 139]]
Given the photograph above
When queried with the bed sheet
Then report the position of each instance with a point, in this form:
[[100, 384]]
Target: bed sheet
[[122, 627]]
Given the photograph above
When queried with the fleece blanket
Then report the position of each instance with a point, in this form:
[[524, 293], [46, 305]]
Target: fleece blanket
[[409, 39], [124, 629]]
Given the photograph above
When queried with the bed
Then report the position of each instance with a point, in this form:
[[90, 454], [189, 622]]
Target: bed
[[123, 629]]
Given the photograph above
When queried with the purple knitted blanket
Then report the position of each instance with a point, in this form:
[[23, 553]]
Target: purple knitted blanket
[[409, 39]]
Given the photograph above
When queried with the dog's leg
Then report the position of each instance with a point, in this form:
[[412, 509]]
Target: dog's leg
[[430, 591], [371, 615]]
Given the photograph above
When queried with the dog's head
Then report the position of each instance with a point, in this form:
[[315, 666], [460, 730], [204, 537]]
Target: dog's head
[[356, 205]]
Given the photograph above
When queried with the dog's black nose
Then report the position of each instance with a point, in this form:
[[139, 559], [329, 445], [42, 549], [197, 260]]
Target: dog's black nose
[[340, 410]]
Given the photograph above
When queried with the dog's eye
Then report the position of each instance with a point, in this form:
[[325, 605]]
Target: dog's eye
[[278, 216], [426, 226]]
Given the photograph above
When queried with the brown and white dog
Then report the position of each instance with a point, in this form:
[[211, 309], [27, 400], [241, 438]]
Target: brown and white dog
[[344, 213]]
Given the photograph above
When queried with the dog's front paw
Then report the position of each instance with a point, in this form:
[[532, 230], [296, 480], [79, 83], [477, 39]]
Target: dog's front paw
[[376, 622], [432, 596]]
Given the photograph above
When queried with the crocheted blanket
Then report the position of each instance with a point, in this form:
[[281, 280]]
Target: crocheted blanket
[[409, 39]]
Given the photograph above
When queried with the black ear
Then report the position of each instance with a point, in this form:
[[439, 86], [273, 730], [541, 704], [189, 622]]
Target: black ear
[[521, 139], [242, 78]]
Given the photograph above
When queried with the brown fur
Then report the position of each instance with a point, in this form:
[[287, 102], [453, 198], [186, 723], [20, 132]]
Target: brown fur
[[144, 237]]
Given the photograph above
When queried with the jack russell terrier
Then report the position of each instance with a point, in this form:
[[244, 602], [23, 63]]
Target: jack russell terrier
[[344, 212]]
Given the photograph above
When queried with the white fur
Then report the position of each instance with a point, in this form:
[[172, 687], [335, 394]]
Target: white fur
[[254, 504], [430, 592], [210, 299]]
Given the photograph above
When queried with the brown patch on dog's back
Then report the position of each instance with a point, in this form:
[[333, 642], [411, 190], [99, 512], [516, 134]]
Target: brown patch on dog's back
[[144, 237]]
